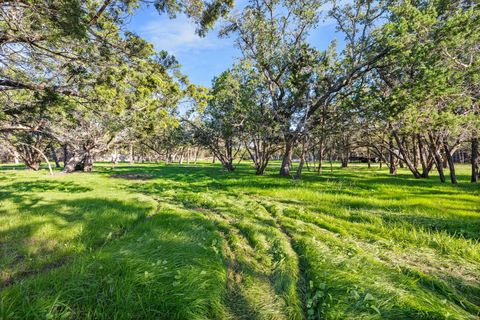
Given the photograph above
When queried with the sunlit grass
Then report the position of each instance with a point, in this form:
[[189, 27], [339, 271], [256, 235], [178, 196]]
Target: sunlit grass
[[190, 242]]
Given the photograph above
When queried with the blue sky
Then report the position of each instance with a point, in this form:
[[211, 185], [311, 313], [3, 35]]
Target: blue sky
[[201, 58]]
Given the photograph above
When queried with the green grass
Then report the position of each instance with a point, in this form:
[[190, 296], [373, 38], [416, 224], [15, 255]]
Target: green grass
[[189, 242]]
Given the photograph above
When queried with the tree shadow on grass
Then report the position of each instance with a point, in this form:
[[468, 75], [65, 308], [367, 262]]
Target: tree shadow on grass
[[169, 266], [243, 178], [54, 231], [359, 282], [414, 215], [41, 186], [393, 207]]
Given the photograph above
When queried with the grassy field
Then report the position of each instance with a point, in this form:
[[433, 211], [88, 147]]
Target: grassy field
[[189, 242]]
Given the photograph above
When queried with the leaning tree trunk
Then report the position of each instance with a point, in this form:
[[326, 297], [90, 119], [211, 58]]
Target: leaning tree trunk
[[426, 163], [406, 158], [72, 162], [31, 157], [451, 164], [80, 160], [475, 161], [298, 175], [434, 149], [439, 165]]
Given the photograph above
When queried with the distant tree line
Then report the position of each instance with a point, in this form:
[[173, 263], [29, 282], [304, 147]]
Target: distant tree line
[[401, 87]]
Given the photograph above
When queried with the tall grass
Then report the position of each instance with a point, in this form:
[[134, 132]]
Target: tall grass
[[191, 242]]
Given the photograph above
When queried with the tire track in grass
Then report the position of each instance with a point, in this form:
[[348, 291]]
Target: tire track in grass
[[262, 284], [250, 295], [302, 280], [441, 276], [405, 294]]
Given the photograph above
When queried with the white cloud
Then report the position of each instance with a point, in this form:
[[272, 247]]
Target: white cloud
[[178, 36]]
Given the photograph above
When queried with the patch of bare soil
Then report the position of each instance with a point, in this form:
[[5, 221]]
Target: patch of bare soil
[[132, 176], [7, 280]]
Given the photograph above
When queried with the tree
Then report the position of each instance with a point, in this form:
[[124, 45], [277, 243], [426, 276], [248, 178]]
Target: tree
[[426, 96], [81, 61], [301, 80], [222, 120]]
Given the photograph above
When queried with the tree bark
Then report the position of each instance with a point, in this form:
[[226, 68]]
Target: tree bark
[[65, 154], [451, 164], [54, 157], [72, 163], [298, 175], [87, 162], [474, 161], [405, 159], [437, 158], [132, 160], [345, 156], [392, 160], [196, 155], [287, 158], [321, 150], [368, 158], [79, 161]]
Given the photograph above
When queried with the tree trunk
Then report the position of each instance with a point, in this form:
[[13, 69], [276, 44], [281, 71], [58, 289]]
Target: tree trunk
[[15, 155], [87, 162], [115, 155], [439, 165], [368, 158], [381, 157], [298, 175], [229, 166], [196, 155], [426, 165], [79, 161], [391, 156], [54, 157], [287, 158], [474, 160], [32, 165], [260, 169], [132, 160], [345, 158], [66, 155], [330, 160], [180, 160], [72, 163], [437, 158], [451, 164], [406, 159], [321, 150]]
